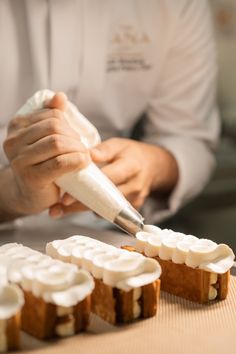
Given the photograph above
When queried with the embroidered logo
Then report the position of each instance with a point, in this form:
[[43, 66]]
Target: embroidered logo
[[128, 49]]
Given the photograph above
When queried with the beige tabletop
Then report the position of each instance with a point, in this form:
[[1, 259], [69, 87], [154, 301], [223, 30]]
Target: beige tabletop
[[179, 327]]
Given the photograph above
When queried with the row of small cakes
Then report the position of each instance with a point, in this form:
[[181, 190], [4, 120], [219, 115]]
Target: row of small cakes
[[184, 249], [56, 282], [116, 267]]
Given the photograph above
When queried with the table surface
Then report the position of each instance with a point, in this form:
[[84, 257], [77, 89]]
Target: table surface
[[180, 326]]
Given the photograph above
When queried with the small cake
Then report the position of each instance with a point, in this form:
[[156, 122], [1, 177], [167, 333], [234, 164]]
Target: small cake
[[11, 302], [195, 269], [57, 295], [127, 284]]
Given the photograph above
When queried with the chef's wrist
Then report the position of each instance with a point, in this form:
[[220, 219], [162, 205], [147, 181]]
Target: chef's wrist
[[167, 172]]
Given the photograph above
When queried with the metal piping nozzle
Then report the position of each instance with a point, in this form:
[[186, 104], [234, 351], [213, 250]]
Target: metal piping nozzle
[[129, 220]]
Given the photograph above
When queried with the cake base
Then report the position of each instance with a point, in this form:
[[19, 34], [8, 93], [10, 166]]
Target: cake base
[[190, 283], [41, 319], [13, 332], [116, 306]]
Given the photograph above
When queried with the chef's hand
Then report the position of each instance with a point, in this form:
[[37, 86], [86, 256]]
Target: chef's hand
[[40, 147], [136, 168]]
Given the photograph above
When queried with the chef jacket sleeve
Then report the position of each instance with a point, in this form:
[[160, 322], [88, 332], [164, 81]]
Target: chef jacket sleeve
[[182, 115]]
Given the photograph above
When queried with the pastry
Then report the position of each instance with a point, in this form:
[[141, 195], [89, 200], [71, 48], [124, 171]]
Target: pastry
[[57, 295], [11, 302], [127, 284], [195, 269]]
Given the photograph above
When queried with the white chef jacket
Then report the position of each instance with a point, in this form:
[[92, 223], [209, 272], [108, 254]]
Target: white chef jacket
[[117, 60]]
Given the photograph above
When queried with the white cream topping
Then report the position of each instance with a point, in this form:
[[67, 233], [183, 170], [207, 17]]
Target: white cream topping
[[116, 267], [63, 311], [98, 264], [66, 329], [88, 185], [137, 292], [3, 277], [8, 246], [136, 310], [141, 241], [213, 278], [196, 253], [169, 244], [11, 301], [212, 295], [182, 248], [55, 281]]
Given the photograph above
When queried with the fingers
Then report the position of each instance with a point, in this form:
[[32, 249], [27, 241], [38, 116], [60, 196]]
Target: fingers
[[46, 148], [21, 122], [135, 192], [55, 211], [108, 150], [67, 199], [54, 130], [59, 210], [59, 101], [37, 131], [120, 171], [42, 146], [56, 105], [67, 205], [54, 168]]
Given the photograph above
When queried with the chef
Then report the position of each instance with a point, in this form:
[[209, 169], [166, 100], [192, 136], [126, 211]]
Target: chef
[[124, 64]]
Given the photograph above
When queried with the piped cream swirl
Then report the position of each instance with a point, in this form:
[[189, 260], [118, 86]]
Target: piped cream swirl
[[180, 248], [116, 267]]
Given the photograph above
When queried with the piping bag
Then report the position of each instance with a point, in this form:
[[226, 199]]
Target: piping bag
[[90, 185]]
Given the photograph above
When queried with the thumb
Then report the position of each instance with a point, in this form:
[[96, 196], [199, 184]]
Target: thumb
[[108, 150], [59, 101]]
